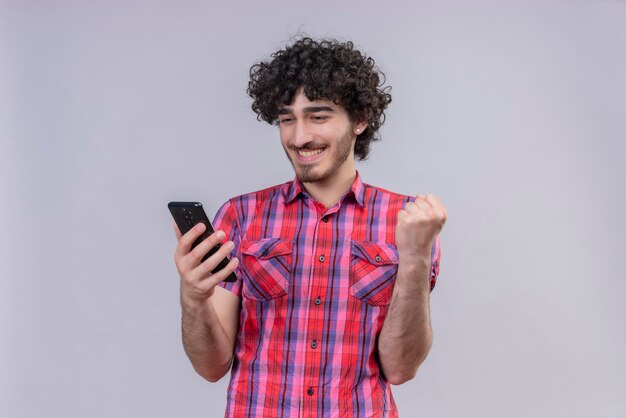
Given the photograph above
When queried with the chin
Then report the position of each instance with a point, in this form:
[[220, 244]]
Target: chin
[[310, 175]]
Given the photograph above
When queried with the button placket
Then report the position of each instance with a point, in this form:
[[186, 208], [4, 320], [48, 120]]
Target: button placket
[[322, 238]]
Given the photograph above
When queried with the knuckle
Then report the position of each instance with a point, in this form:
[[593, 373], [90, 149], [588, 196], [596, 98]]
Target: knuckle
[[202, 248], [198, 251], [185, 240], [187, 279], [205, 267], [180, 267], [180, 270], [190, 236]]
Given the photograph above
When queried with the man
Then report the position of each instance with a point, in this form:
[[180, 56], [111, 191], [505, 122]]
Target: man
[[331, 302]]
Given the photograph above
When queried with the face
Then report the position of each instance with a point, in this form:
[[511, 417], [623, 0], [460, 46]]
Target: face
[[318, 138]]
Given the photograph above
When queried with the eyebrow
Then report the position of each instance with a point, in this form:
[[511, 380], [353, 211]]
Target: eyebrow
[[308, 109]]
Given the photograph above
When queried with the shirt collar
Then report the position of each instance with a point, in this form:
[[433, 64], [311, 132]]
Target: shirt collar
[[295, 189]]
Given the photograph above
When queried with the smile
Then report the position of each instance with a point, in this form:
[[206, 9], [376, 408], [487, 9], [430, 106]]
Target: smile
[[310, 152]]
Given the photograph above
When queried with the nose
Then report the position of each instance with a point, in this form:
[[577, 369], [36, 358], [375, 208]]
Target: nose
[[301, 134]]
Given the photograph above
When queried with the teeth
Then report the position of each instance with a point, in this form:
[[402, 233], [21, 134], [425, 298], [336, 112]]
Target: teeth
[[310, 153]]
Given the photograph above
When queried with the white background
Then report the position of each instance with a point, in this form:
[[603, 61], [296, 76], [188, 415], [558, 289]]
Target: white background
[[512, 112]]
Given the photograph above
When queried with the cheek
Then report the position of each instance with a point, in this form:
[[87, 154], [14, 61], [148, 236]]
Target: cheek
[[331, 134], [285, 136]]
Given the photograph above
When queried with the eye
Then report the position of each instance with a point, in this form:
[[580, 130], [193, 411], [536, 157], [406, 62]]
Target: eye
[[285, 120], [319, 118]]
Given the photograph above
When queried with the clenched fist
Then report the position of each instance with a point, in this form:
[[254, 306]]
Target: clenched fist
[[419, 224]]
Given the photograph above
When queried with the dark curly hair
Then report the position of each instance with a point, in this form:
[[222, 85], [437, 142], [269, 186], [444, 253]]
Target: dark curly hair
[[326, 70]]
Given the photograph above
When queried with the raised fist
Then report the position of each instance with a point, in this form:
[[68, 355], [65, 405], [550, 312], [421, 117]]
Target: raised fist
[[419, 224]]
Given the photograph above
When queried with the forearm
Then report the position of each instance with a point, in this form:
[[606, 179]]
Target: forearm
[[406, 336], [206, 343]]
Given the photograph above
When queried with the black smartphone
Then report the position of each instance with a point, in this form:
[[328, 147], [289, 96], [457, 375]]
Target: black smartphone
[[189, 214]]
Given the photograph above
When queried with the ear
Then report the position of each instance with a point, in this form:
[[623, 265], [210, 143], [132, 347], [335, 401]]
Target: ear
[[358, 128]]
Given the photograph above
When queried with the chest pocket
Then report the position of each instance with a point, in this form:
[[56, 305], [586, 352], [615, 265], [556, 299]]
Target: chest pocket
[[373, 270], [266, 268]]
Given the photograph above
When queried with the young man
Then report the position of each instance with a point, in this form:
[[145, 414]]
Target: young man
[[331, 302]]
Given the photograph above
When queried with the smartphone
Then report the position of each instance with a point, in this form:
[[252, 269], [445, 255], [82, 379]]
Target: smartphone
[[189, 214]]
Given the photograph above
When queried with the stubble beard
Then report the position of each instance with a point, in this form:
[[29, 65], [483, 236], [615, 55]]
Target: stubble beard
[[307, 173]]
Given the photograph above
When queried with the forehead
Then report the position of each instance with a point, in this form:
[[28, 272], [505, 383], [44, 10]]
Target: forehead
[[302, 103]]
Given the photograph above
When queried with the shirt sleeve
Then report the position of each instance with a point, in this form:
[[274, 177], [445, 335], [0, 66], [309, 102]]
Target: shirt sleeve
[[226, 220], [435, 262]]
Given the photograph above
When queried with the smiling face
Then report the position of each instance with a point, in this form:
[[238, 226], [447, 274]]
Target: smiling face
[[318, 138]]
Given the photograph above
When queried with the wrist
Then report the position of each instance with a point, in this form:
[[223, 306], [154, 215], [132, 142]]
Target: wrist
[[414, 275], [414, 260], [193, 307]]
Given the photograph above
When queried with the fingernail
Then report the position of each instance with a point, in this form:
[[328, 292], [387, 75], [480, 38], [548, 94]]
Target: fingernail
[[200, 227], [221, 235]]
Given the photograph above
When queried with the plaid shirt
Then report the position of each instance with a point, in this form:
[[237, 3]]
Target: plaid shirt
[[315, 285]]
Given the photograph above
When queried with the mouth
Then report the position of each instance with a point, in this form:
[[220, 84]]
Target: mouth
[[309, 152], [306, 155]]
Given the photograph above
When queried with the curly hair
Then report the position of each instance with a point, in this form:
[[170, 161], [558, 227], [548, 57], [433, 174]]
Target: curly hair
[[326, 70]]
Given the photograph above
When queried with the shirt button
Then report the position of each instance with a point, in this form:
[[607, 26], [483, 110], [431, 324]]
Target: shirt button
[[317, 300], [322, 258], [314, 345], [325, 219], [310, 391], [378, 258]]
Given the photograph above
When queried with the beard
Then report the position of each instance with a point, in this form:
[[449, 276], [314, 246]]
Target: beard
[[310, 173]]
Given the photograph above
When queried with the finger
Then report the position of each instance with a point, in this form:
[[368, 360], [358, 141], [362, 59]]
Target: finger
[[422, 199], [220, 276], [184, 243], [191, 260], [435, 202], [410, 207], [177, 231], [402, 215], [207, 266], [417, 207], [205, 246]]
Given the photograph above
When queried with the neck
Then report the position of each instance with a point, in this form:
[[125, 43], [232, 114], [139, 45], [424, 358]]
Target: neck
[[329, 191]]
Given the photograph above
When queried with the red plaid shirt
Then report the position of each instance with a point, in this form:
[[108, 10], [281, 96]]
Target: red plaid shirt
[[315, 285]]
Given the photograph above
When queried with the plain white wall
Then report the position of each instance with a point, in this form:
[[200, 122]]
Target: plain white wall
[[513, 113]]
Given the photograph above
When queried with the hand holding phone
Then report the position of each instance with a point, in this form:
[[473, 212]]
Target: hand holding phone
[[189, 214]]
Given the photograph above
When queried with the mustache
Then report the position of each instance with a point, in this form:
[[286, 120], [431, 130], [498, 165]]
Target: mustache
[[307, 146]]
